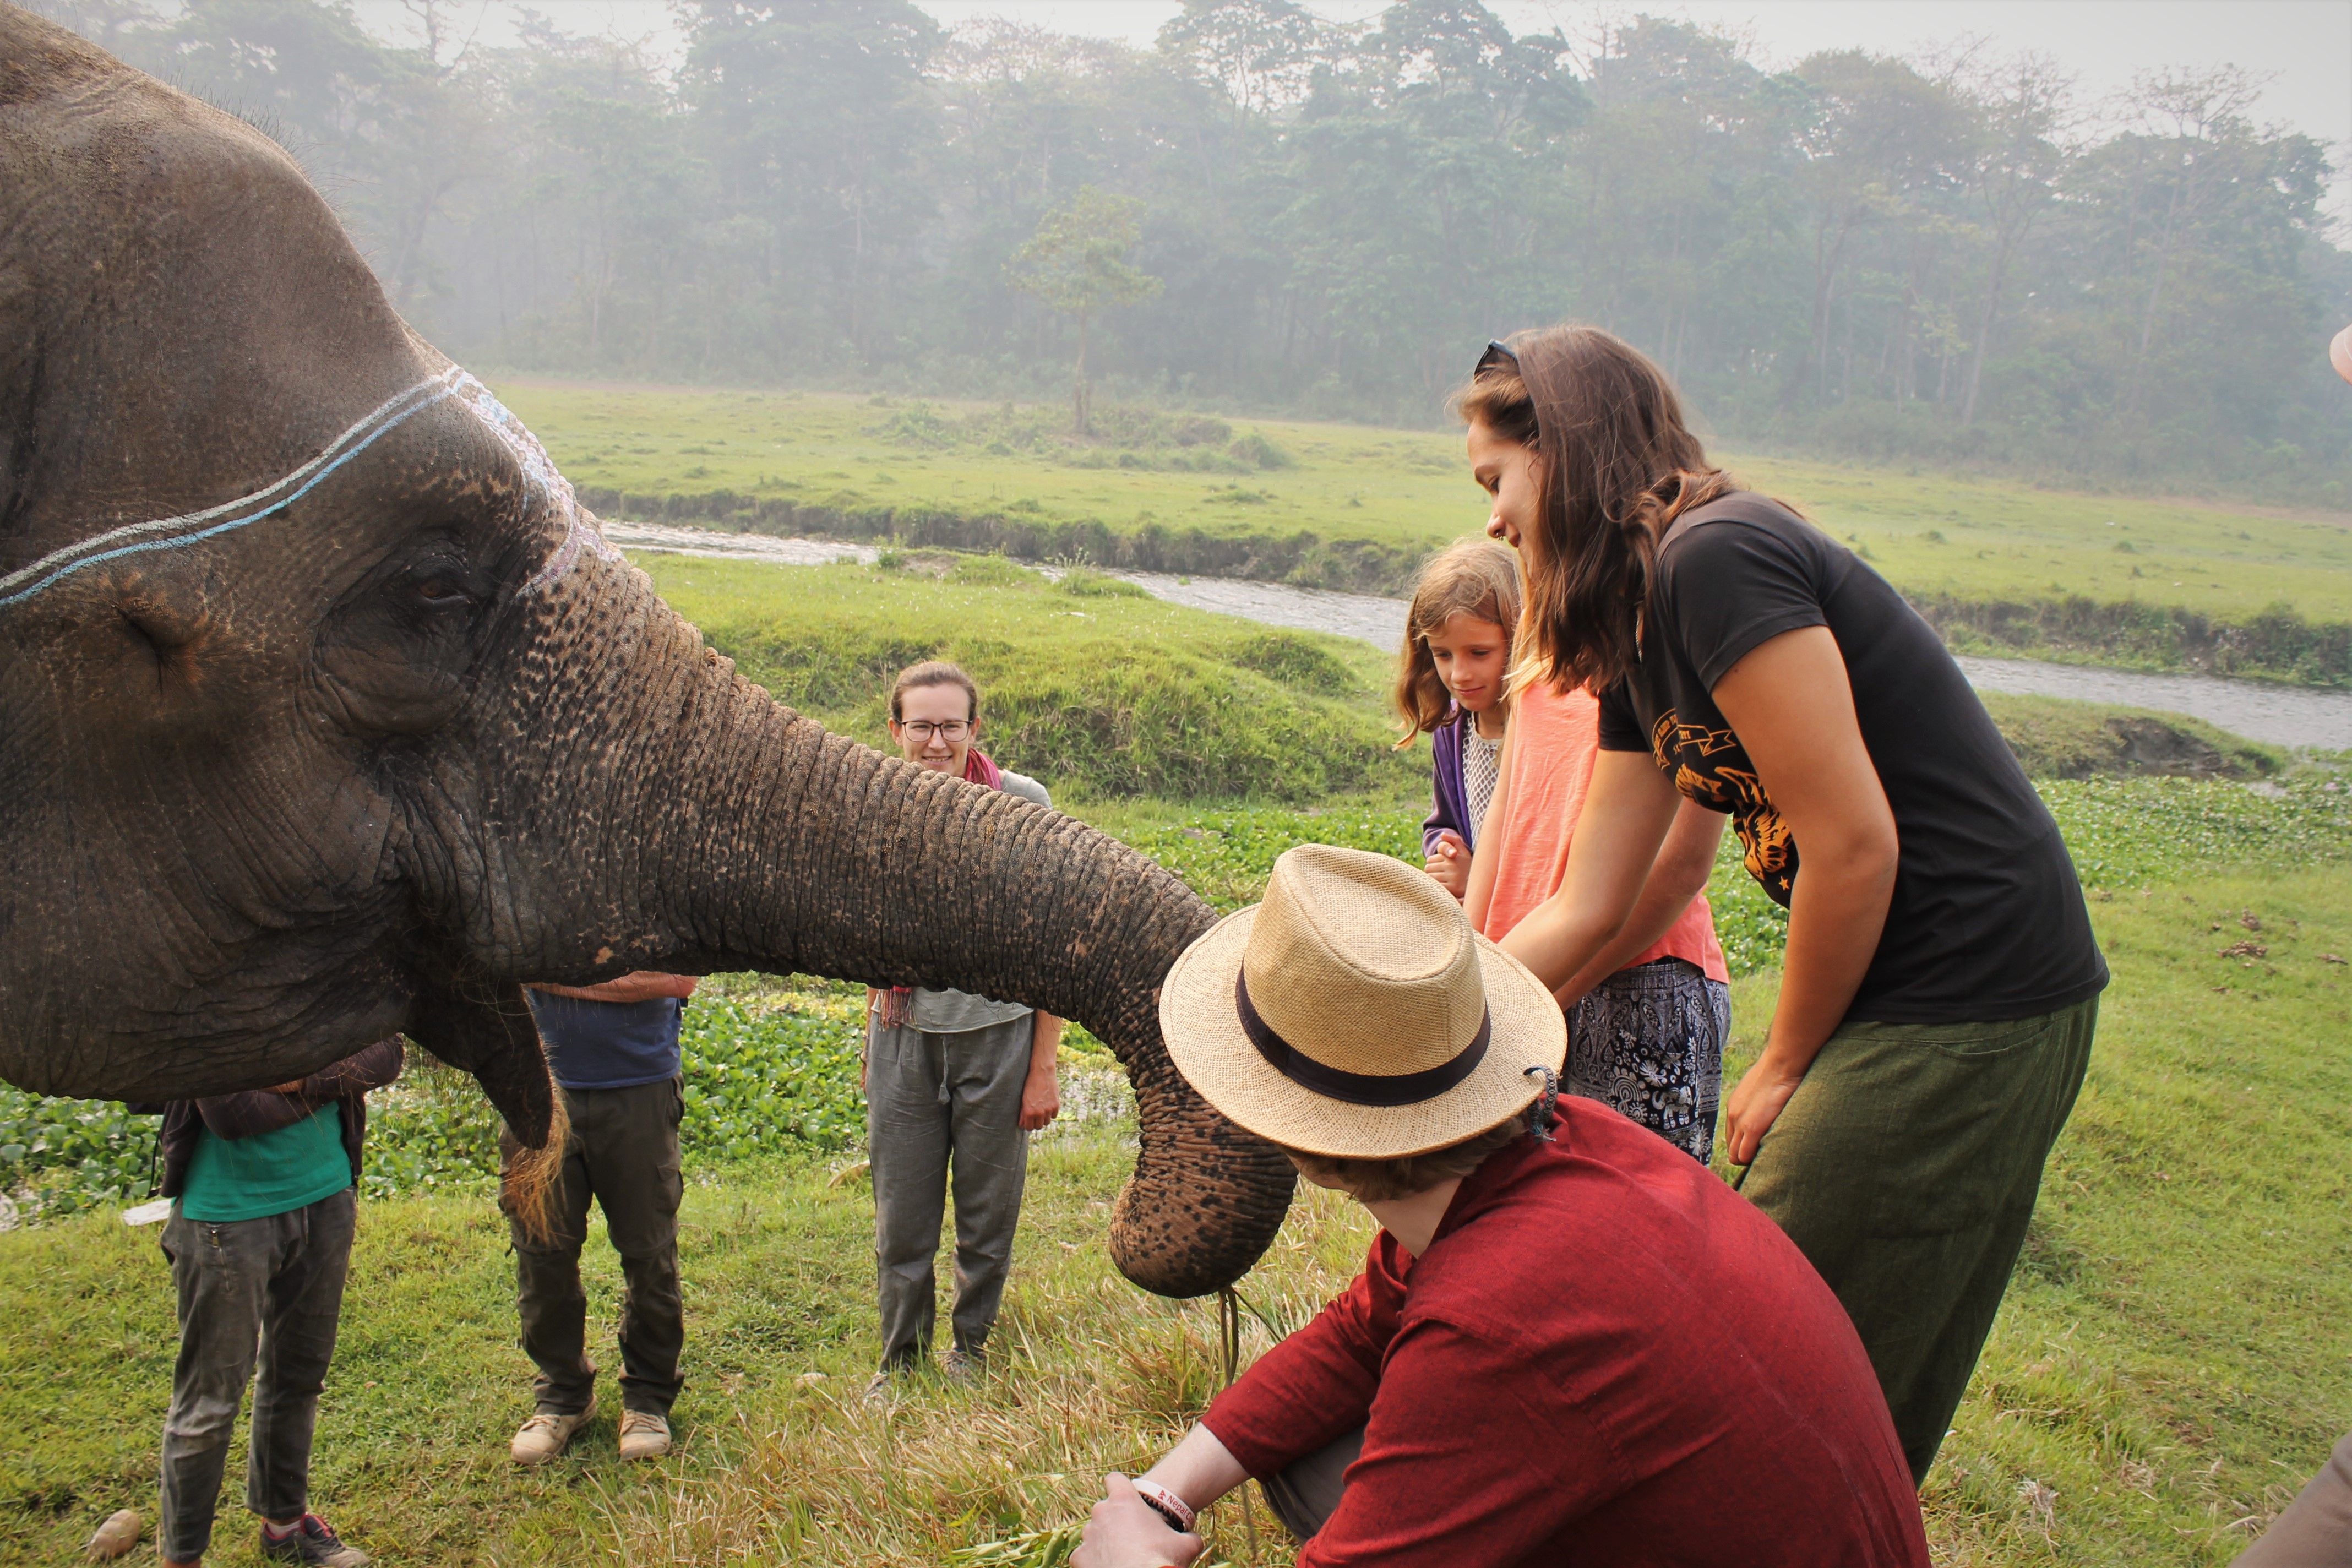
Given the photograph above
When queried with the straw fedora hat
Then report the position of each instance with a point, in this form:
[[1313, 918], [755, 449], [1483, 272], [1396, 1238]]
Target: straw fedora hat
[[1355, 1014]]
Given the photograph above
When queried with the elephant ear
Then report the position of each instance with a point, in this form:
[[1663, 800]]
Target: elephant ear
[[486, 1030]]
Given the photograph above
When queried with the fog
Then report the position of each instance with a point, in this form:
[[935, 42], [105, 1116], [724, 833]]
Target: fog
[[1855, 230]]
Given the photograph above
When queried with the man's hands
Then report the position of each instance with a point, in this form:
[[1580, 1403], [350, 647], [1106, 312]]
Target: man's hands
[[1040, 1097], [1041, 1092], [1449, 863], [1755, 1105], [1125, 1531]]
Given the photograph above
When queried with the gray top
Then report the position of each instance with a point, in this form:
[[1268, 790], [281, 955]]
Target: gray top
[[959, 1012]]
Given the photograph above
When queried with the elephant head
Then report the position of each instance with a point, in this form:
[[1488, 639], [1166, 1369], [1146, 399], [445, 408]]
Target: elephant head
[[325, 712]]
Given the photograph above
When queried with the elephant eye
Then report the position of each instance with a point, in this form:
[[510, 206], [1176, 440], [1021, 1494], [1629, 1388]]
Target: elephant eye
[[437, 592]]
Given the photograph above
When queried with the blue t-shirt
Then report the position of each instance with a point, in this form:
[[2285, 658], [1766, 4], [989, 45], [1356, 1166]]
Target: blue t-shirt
[[608, 1045]]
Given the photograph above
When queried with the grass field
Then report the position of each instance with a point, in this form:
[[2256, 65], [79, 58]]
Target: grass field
[[1090, 683], [1971, 539], [2169, 1364]]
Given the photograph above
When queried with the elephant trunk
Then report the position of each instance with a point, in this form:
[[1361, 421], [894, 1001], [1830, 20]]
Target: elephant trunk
[[736, 833]]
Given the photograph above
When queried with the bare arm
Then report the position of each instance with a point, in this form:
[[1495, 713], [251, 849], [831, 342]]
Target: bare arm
[[1678, 875], [1479, 894], [1627, 811], [259, 1110], [1041, 1094], [1791, 705], [373, 1067], [644, 985], [1126, 1532]]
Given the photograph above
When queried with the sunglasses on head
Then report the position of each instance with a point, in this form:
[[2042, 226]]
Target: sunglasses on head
[[1496, 357]]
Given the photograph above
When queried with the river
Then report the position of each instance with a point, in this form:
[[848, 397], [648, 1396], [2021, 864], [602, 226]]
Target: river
[[2280, 715]]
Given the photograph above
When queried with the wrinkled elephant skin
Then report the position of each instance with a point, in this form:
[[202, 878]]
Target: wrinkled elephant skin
[[324, 713]]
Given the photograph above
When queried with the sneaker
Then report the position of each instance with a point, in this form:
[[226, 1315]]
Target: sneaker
[[312, 1540], [644, 1435], [963, 1368], [879, 1395], [544, 1435]]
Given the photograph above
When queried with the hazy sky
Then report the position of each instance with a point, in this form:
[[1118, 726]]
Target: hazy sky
[[2301, 48]]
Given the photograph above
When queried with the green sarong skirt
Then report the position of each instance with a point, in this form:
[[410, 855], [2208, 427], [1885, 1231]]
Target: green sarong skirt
[[1906, 1167]]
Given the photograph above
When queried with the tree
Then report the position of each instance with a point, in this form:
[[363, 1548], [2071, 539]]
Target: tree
[[1077, 264]]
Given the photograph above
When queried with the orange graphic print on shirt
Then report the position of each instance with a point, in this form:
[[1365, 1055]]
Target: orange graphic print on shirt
[[1711, 767]]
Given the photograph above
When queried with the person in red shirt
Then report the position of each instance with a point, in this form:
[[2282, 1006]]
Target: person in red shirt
[[1569, 1343]]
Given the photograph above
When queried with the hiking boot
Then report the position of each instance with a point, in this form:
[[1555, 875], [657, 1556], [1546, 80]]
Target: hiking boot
[[879, 1395], [312, 1540], [545, 1434], [963, 1368], [644, 1435]]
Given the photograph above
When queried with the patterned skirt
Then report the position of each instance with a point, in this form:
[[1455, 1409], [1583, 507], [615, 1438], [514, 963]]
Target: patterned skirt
[[1648, 1043]]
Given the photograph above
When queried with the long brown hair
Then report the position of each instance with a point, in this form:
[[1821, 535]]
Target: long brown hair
[[1616, 465], [1473, 577]]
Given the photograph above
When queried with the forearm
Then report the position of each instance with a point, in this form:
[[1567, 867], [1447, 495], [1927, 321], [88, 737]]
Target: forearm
[[1654, 916], [1627, 814], [1836, 913], [1563, 936], [1678, 876], [1199, 1470], [373, 1067], [645, 985], [1045, 1045]]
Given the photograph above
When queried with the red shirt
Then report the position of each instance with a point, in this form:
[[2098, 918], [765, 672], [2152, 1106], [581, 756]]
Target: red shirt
[[1606, 1356]]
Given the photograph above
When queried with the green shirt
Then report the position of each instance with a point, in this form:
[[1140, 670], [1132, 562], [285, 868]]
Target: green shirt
[[268, 1173]]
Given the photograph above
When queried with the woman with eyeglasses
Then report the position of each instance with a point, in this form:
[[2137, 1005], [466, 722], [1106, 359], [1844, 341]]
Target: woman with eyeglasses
[[952, 1081], [1941, 985]]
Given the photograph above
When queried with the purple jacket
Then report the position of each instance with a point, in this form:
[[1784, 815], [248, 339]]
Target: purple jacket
[[1452, 808]]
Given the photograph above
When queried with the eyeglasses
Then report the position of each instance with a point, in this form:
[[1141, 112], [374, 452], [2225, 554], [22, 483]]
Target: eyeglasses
[[1496, 357], [949, 730]]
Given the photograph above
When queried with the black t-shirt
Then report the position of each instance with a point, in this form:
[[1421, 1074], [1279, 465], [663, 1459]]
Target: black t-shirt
[[1987, 920]]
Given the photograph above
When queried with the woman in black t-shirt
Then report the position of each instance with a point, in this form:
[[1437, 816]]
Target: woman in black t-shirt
[[1940, 988]]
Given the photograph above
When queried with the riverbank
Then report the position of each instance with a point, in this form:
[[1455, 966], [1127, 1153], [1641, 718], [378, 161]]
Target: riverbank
[[2270, 712], [2024, 571]]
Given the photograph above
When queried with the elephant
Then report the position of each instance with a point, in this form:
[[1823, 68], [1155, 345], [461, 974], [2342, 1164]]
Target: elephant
[[326, 712]]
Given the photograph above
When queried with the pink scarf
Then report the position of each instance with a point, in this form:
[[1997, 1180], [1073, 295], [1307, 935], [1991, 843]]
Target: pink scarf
[[898, 1003]]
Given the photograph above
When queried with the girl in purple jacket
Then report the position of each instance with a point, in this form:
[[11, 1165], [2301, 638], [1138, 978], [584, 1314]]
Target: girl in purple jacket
[[1451, 684]]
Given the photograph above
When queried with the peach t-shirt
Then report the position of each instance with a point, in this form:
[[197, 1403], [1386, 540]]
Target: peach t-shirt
[[1555, 736]]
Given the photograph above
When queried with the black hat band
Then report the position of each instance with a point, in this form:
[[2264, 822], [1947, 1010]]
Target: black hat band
[[1357, 1088]]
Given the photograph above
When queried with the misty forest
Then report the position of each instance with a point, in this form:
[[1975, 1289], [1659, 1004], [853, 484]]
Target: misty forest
[[1961, 259]]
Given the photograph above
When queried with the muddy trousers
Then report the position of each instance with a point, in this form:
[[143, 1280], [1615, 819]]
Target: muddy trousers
[[621, 1153], [1905, 1168], [942, 1108], [2316, 1530], [266, 1292]]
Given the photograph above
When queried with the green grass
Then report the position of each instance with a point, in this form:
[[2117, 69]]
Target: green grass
[[2169, 1365], [2170, 1362], [1972, 539], [2166, 1363], [1090, 685]]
